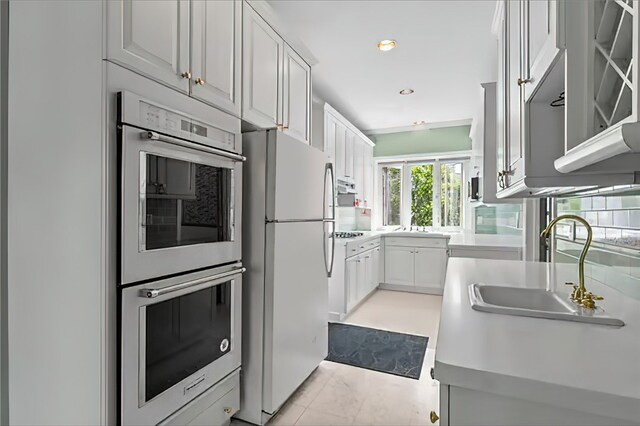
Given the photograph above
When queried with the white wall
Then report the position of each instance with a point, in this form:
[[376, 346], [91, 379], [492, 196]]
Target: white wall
[[55, 214], [4, 44]]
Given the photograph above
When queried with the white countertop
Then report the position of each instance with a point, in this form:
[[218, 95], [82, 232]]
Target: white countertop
[[463, 239], [586, 367]]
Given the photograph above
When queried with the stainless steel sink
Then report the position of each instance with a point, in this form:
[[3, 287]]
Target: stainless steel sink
[[536, 303]]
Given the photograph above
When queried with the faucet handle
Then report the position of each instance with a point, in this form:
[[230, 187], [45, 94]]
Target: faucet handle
[[589, 300]]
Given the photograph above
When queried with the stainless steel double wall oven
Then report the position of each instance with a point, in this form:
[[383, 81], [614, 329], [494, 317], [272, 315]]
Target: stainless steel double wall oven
[[180, 252]]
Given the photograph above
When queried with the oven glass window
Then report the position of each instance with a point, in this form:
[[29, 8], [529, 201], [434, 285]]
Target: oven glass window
[[186, 203], [185, 334]]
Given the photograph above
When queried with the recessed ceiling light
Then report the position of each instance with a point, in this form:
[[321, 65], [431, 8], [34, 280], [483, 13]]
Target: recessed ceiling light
[[406, 91], [386, 45], [419, 123]]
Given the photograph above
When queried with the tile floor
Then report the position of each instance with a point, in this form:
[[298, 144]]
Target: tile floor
[[338, 394]]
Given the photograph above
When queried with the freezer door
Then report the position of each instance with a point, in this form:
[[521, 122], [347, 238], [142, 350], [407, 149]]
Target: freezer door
[[295, 179], [296, 306]]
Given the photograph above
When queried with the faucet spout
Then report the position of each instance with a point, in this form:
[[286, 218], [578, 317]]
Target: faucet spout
[[580, 294]]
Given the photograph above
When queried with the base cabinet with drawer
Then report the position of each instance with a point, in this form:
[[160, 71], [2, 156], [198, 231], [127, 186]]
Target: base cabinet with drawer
[[214, 407], [355, 276], [467, 407], [415, 264]]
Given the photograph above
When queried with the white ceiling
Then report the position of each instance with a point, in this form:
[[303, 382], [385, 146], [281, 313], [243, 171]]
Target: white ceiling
[[445, 50]]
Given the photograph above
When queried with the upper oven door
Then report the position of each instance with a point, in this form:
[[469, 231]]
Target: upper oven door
[[180, 206]]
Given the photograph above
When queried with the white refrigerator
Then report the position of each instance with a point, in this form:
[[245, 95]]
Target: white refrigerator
[[288, 250]]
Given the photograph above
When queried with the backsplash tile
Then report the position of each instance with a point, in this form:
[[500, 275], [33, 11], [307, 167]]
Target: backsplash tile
[[614, 258]]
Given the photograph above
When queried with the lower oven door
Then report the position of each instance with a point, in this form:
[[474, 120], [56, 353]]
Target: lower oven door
[[179, 336], [180, 206]]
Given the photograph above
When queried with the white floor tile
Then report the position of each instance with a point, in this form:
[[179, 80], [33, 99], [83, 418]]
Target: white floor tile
[[338, 394]]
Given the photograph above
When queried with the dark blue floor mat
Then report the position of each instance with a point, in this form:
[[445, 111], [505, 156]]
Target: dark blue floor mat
[[379, 350]]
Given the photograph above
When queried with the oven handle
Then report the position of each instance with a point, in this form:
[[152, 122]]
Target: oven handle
[[151, 293], [153, 136]]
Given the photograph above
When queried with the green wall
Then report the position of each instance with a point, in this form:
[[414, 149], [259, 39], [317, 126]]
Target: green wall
[[438, 140]]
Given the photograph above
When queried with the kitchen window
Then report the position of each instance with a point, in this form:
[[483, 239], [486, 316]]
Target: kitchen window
[[423, 193]]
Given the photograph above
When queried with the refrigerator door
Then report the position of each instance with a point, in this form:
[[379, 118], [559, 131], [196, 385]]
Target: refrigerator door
[[296, 306], [295, 179]]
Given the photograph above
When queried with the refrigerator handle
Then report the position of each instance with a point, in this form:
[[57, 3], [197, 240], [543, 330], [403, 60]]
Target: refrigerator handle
[[328, 169], [329, 263]]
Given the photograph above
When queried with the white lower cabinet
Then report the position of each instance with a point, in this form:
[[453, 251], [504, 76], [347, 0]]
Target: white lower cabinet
[[466, 407], [351, 278], [398, 265], [415, 264], [356, 274], [430, 267]]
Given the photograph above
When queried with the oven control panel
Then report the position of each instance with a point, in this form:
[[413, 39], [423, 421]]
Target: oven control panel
[[173, 123]]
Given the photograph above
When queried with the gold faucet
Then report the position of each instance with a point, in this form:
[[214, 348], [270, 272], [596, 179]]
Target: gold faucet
[[580, 295]]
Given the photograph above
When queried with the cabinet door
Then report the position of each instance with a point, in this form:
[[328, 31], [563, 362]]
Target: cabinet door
[[330, 137], [262, 55], [364, 266], [152, 38], [375, 268], [352, 282], [216, 38], [296, 105], [367, 196], [358, 169], [398, 265], [341, 150], [515, 105], [543, 38], [348, 154], [430, 267]]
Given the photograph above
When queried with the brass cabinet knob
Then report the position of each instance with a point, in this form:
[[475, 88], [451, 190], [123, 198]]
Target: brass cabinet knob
[[522, 81], [434, 417], [200, 81], [186, 74], [228, 410]]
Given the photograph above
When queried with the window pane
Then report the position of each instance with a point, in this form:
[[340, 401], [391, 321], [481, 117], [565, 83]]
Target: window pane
[[422, 195], [451, 191], [392, 178]]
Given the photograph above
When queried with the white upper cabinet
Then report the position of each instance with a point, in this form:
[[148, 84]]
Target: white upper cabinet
[[276, 80], [542, 37], [341, 144], [263, 53], [151, 37], [216, 31], [348, 154], [514, 149], [296, 115], [358, 167], [330, 134], [546, 101], [367, 194], [602, 86]]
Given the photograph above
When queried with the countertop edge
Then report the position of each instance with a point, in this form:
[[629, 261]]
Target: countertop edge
[[597, 403]]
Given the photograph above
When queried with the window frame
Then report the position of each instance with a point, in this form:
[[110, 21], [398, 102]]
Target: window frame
[[405, 164]]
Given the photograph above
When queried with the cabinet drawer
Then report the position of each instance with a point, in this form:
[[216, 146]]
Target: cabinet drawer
[[214, 407], [357, 247], [416, 242]]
